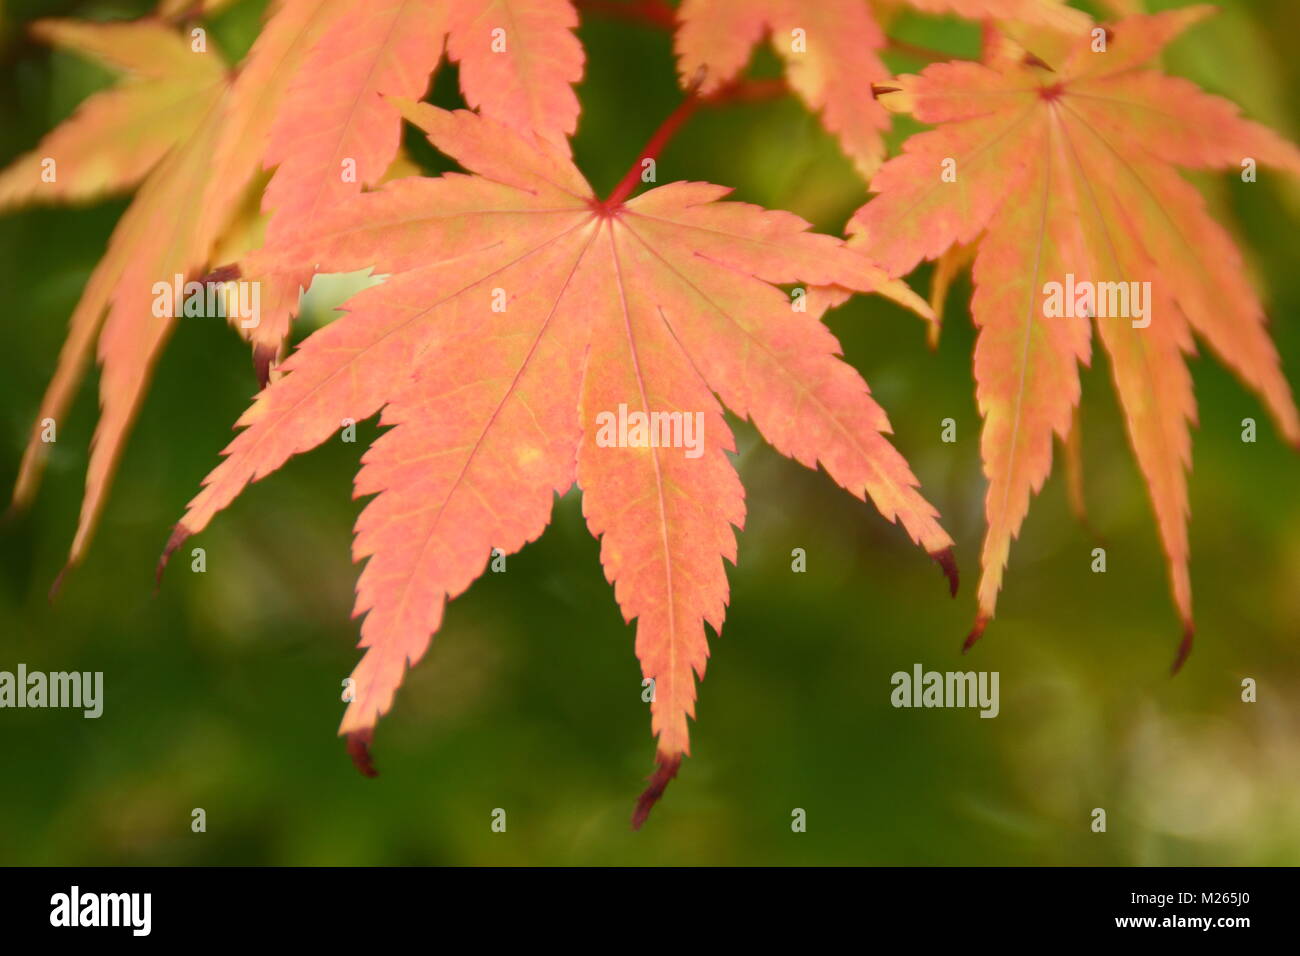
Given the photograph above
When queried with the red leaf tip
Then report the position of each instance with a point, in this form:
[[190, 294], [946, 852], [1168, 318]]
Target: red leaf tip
[[1032, 59], [222, 274], [359, 750], [174, 541], [263, 359], [948, 562], [665, 772], [57, 585], [1184, 649], [976, 633]]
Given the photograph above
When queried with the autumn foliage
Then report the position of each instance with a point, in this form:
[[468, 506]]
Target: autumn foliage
[[519, 306]]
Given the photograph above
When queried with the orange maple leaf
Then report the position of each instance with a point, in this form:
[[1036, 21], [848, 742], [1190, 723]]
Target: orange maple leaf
[[524, 326], [1061, 169], [829, 49]]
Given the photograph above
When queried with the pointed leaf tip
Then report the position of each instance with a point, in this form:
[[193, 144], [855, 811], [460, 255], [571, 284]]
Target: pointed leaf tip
[[976, 632], [359, 750], [948, 562], [227, 273], [1184, 649], [263, 359], [174, 541], [1032, 59], [667, 769], [57, 584]]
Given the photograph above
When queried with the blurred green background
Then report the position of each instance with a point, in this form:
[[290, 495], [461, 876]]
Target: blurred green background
[[223, 691]]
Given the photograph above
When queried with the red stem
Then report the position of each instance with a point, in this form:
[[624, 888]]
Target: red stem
[[745, 91], [653, 147]]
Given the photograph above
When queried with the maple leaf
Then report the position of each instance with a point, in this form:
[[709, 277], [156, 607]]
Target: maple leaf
[[337, 133], [829, 49], [1065, 165], [521, 315]]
